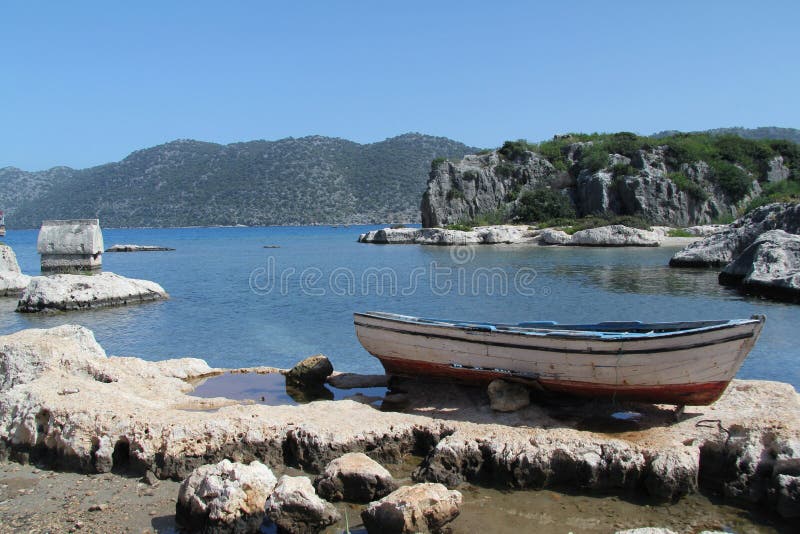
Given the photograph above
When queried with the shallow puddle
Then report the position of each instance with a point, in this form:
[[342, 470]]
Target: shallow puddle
[[271, 389]]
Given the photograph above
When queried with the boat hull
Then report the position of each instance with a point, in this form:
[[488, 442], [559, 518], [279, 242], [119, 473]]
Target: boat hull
[[691, 369]]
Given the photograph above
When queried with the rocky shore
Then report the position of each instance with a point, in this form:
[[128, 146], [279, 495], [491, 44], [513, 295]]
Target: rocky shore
[[604, 236], [65, 403], [138, 248]]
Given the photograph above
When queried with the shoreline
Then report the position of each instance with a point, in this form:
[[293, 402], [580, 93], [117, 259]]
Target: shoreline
[[137, 416]]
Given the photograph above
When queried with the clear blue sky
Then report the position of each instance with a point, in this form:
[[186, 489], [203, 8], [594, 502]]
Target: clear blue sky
[[84, 83]]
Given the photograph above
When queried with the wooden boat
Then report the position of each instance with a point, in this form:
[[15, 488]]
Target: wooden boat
[[671, 363]]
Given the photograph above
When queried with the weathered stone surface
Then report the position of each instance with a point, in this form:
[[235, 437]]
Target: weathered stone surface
[[225, 497], [673, 473], [70, 245], [769, 266], [311, 372], [8, 260], [646, 530], [508, 396], [777, 171], [705, 230], [723, 247], [418, 508], [481, 235], [614, 235], [354, 477], [67, 292], [551, 236], [788, 496], [295, 507], [137, 248], [64, 403], [13, 284], [357, 381]]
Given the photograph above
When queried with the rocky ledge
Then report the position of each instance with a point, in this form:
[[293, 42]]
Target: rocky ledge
[[63, 401], [137, 248], [12, 281], [68, 292], [604, 236]]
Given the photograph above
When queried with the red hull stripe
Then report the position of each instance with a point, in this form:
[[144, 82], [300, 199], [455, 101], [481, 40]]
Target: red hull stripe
[[697, 394]]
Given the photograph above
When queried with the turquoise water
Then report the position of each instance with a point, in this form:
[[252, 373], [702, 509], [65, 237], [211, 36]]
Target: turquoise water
[[235, 303]]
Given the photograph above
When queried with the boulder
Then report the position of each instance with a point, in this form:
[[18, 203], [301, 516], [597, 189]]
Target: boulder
[[769, 266], [508, 396], [354, 477], [673, 473], [418, 508], [295, 508], [777, 171], [311, 372], [788, 496], [225, 497], [481, 235], [8, 260], [13, 284], [67, 292], [137, 248], [723, 247], [615, 235], [551, 236]]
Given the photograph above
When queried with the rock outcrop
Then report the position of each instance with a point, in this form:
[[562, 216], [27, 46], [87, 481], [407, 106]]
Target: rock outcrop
[[12, 281], [769, 266], [138, 248], [225, 497], [642, 185], [354, 477], [64, 403], [723, 247], [614, 235], [481, 235], [295, 507], [69, 292], [70, 245], [410, 509]]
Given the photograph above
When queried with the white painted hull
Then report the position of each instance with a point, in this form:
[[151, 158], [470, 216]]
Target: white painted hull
[[691, 366]]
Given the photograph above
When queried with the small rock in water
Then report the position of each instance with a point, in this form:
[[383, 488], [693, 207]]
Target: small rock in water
[[419, 508], [295, 507], [311, 372]]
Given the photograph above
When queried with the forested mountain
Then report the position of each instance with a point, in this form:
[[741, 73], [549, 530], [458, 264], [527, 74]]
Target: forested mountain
[[763, 132], [290, 181]]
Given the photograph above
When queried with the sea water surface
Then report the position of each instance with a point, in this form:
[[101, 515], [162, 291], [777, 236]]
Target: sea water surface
[[236, 303]]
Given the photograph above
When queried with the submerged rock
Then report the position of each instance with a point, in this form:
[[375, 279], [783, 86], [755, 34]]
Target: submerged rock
[[225, 497], [508, 396], [311, 372], [137, 248], [769, 266], [417, 508], [67, 292], [354, 477], [295, 507]]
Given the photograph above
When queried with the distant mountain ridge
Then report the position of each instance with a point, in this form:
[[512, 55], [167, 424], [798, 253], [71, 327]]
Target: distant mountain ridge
[[304, 180], [762, 132]]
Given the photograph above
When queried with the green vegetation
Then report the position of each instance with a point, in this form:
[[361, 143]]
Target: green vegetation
[[435, 162], [622, 169], [470, 175], [463, 227], [689, 186], [492, 218], [543, 204], [455, 193], [515, 150], [571, 226], [785, 191], [679, 232], [505, 170]]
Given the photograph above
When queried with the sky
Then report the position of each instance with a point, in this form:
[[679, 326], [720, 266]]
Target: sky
[[84, 83]]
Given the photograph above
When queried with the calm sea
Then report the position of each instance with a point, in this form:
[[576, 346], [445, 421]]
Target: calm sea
[[236, 303]]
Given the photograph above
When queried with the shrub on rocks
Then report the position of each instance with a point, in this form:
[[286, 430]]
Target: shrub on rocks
[[354, 477], [419, 508], [295, 507], [225, 497]]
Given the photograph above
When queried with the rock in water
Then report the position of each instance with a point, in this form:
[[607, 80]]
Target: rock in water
[[225, 497], [8, 260], [354, 477], [66, 292], [508, 396], [770, 266], [722, 248], [137, 248], [423, 507], [615, 235], [311, 372], [296, 508], [12, 281]]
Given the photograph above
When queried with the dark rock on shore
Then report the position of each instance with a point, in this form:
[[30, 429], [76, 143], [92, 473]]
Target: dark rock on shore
[[770, 266], [723, 247], [311, 372]]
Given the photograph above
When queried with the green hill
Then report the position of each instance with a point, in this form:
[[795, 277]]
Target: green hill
[[290, 181]]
